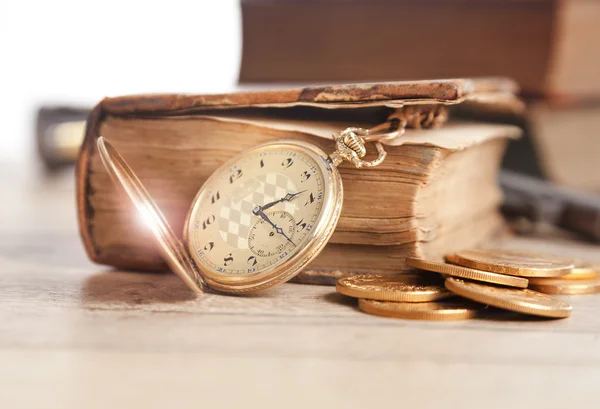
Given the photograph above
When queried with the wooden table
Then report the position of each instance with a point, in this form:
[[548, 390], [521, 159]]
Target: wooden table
[[78, 335]]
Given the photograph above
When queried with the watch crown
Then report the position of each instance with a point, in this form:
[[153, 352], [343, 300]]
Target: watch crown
[[354, 142]]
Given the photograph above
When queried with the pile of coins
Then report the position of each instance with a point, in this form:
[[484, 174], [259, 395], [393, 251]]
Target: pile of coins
[[470, 282]]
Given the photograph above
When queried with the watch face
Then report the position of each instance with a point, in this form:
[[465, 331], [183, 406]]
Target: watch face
[[264, 214]]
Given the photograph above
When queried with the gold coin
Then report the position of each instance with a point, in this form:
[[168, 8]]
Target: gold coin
[[566, 286], [405, 287], [451, 258], [468, 273], [583, 270], [516, 263], [524, 301], [429, 311]]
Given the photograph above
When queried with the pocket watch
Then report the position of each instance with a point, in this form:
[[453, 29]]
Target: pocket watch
[[260, 218]]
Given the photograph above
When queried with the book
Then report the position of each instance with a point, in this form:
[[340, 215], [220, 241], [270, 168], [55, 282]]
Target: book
[[566, 137], [435, 192], [560, 142], [545, 45]]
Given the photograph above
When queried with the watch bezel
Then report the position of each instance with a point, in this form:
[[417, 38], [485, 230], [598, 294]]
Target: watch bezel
[[302, 256]]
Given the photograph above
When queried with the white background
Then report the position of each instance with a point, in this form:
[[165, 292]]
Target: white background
[[78, 51]]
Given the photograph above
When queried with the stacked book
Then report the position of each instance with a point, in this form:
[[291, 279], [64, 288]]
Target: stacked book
[[547, 46]]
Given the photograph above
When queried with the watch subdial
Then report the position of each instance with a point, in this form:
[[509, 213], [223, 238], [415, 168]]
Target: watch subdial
[[266, 240]]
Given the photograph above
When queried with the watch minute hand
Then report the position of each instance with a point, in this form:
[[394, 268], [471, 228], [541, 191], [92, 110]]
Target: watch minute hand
[[287, 197], [258, 211]]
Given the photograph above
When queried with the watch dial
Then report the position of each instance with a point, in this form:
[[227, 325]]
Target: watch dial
[[258, 212]]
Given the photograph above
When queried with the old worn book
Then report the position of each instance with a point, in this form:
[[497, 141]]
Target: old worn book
[[545, 45], [435, 192]]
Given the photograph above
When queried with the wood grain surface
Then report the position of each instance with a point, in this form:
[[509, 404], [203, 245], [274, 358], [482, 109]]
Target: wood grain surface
[[77, 335]]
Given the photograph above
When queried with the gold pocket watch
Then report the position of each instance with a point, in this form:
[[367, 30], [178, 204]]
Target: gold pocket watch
[[260, 218]]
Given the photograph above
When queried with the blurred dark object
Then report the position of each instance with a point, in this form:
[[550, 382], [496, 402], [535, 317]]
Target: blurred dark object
[[544, 202], [521, 156], [60, 132], [547, 46]]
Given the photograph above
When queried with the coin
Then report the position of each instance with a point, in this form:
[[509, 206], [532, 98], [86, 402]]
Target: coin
[[451, 258], [583, 270], [566, 286], [429, 311], [520, 300], [407, 287], [517, 263], [468, 273]]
